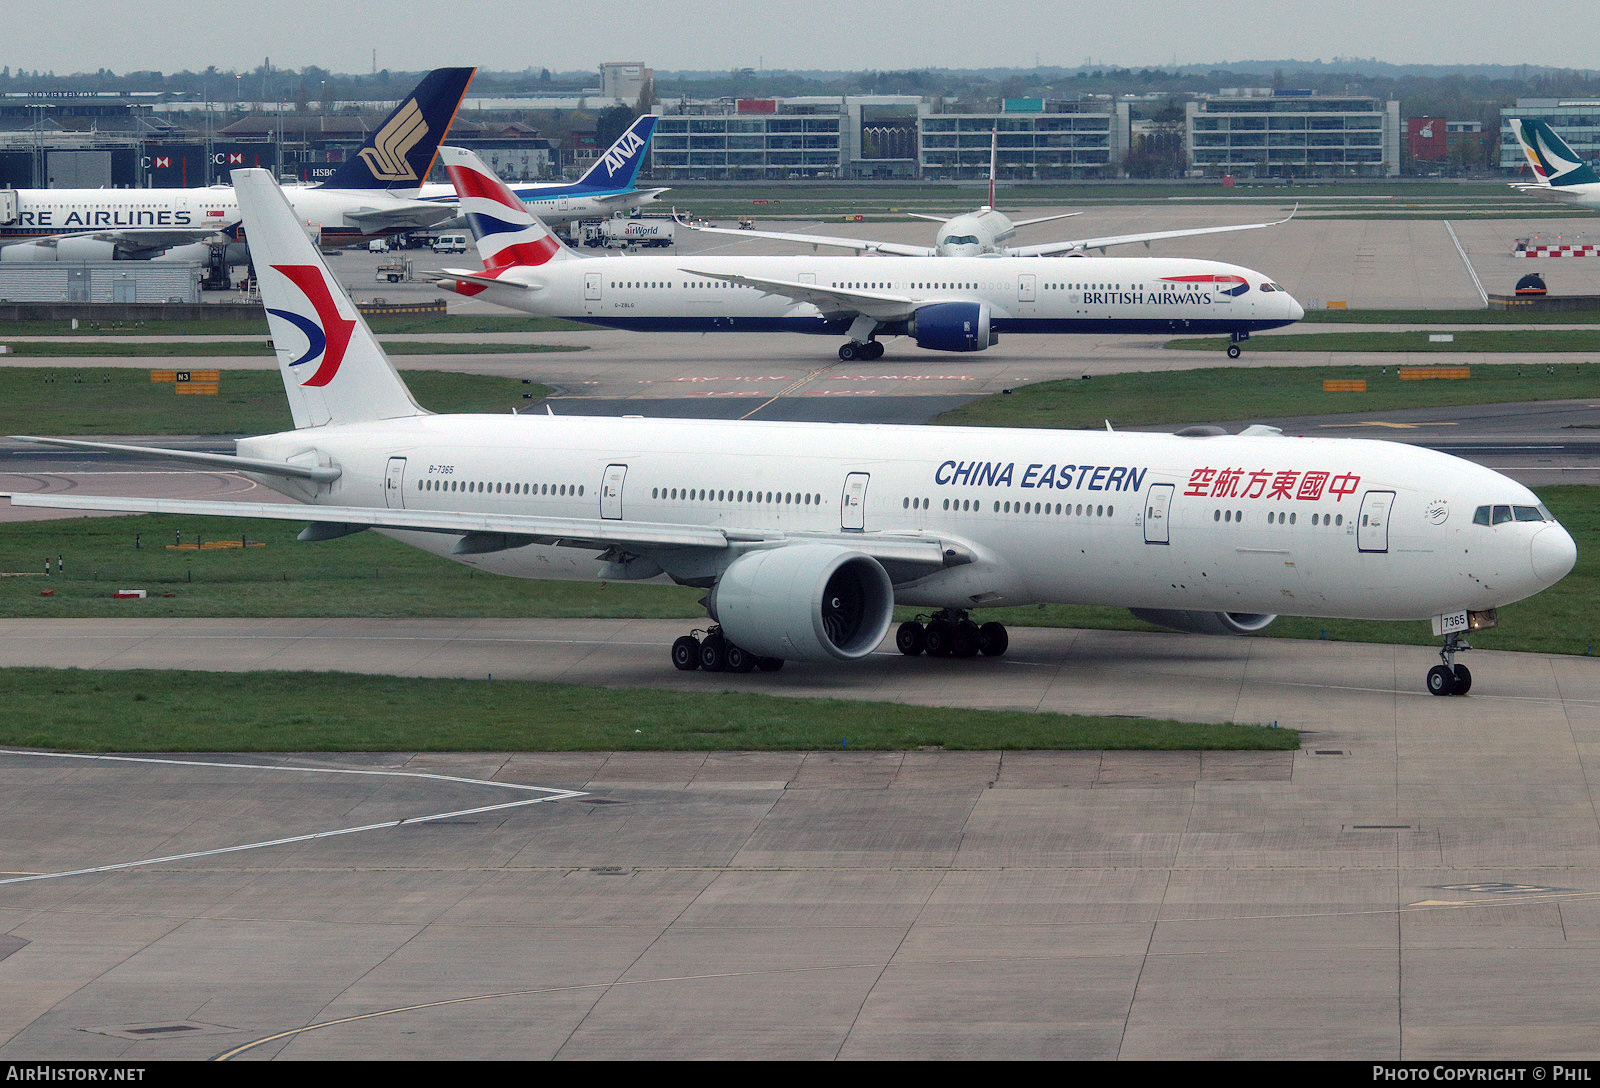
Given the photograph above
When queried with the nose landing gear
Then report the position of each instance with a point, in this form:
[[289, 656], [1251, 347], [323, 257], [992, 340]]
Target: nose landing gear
[[1449, 678]]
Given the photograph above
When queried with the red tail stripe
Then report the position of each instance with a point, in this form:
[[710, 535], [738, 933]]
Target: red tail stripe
[[471, 183], [523, 253]]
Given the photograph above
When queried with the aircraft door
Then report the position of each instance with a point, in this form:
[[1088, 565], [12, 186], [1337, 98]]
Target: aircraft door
[[1157, 507], [853, 509], [591, 292], [611, 491], [1025, 287], [1372, 531], [394, 484]]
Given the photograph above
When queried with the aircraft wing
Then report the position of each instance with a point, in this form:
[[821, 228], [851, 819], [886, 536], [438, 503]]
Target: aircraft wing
[[641, 195], [463, 276], [412, 215], [1101, 244], [860, 245], [224, 461], [132, 242], [913, 554], [881, 306]]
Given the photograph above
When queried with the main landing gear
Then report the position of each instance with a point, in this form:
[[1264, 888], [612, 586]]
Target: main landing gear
[[713, 653], [864, 350], [949, 633], [1234, 340], [1450, 678]]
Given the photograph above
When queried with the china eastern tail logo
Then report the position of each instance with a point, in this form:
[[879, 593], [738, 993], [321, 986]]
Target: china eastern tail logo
[[386, 158], [329, 335]]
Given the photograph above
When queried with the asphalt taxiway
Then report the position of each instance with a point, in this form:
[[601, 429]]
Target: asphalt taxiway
[[1420, 881]]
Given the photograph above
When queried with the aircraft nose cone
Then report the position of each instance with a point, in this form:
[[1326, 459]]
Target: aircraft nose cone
[[1553, 554], [1296, 311]]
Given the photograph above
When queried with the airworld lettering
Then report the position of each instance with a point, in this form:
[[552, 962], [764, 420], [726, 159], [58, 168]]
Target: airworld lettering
[[1048, 477], [1147, 298]]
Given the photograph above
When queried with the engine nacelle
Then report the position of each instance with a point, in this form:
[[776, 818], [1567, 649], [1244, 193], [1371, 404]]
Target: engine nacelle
[[1205, 623], [806, 602], [952, 326], [67, 249]]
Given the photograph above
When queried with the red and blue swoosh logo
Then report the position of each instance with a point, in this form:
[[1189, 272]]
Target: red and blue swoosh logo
[[327, 336], [1227, 284]]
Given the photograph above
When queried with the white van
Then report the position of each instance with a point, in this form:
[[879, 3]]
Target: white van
[[450, 243]]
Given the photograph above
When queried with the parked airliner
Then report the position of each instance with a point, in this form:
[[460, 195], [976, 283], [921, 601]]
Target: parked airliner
[[371, 194], [1562, 173], [805, 536], [605, 188], [981, 233], [941, 303]]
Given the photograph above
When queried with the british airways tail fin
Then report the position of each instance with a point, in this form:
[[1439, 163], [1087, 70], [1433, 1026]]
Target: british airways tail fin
[[333, 369], [1554, 163], [400, 152], [619, 166], [507, 234]]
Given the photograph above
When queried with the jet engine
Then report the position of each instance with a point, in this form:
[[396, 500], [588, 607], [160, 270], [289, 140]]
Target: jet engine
[[952, 326], [66, 249], [1205, 623], [806, 602]]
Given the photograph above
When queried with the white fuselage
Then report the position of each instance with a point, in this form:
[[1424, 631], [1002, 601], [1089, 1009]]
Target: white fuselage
[[556, 203], [1023, 294], [46, 212], [1244, 524]]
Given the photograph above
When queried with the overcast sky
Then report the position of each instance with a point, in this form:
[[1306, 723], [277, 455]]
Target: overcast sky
[[125, 35]]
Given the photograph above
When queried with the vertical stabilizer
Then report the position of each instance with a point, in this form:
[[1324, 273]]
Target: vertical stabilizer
[[333, 369], [507, 234], [399, 153], [616, 170], [1554, 163]]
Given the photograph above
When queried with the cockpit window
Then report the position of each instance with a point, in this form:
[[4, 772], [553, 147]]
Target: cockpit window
[[1267, 288], [1499, 515]]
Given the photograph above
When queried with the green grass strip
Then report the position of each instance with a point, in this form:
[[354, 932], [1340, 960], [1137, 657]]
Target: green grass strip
[[124, 401], [81, 710]]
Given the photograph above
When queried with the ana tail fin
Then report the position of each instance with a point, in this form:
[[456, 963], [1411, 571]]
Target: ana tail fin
[[333, 369], [617, 169], [507, 234], [400, 152]]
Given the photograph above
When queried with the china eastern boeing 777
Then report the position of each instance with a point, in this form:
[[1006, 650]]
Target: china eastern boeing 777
[[941, 303], [805, 536]]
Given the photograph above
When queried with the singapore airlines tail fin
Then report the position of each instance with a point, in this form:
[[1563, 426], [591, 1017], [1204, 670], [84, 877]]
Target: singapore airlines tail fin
[[399, 153], [1554, 163], [508, 235], [333, 368]]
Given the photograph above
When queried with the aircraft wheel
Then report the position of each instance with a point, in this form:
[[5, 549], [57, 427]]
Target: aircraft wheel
[[993, 639], [964, 640], [940, 636], [686, 654], [713, 654], [740, 659], [874, 350], [1463, 678], [911, 638], [849, 351], [1233, 351], [1441, 681]]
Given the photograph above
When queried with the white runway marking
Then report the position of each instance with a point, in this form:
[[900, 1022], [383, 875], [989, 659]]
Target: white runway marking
[[549, 794]]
